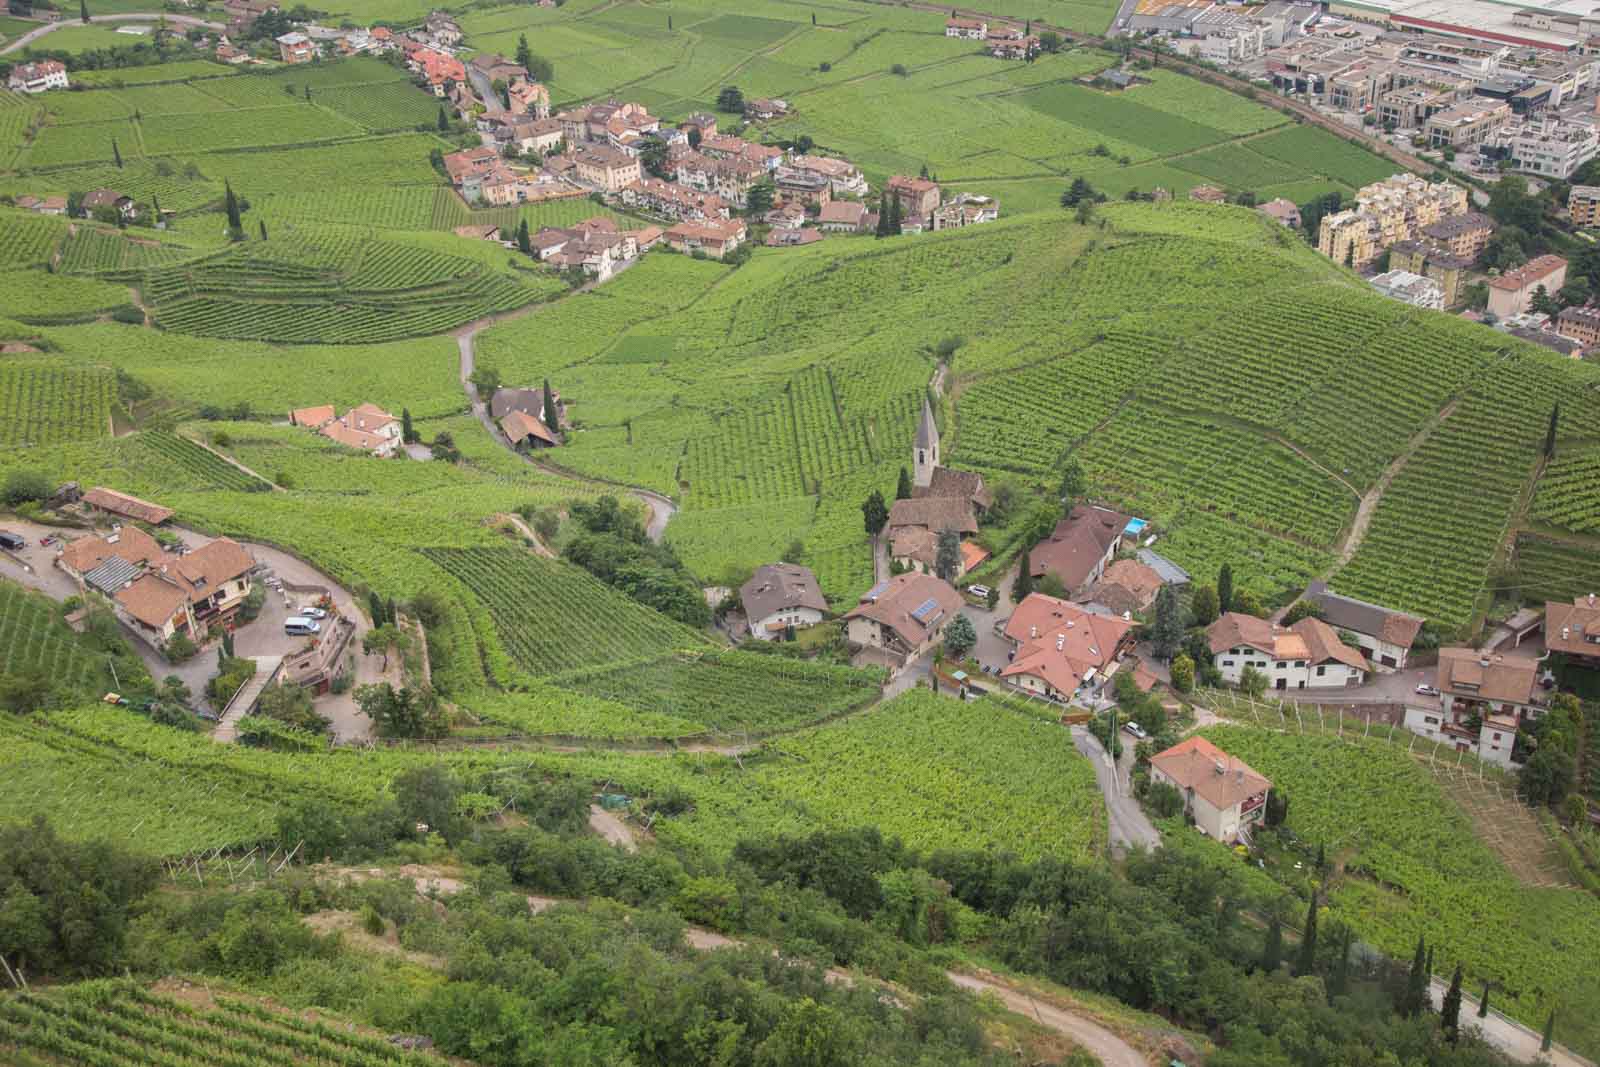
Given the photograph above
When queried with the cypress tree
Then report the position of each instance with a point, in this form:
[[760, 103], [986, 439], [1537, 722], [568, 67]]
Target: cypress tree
[[407, 434], [261, 224], [883, 216], [895, 221], [389, 613], [1550, 434], [525, 54], [1272, 955], [1322, 858], [1549, 1032], [1340, 984], [1416, 984], [1452, 1008], [1024, 583], [83, 11], [230, 203], [1225, 589], [116, 154], [902, 491], [1483, 1001], [1307, 962], [550, 418], [375, 609], [524, 242], [444, 119]]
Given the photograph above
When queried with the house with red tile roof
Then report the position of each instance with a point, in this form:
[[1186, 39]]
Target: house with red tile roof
[[1080, 548], [113, 502], [157, 593], [366, 427], [1306, 655], [1059, 649], [714, 237], [1574, 629], [526, 432], [903, 616], [1223, 794]]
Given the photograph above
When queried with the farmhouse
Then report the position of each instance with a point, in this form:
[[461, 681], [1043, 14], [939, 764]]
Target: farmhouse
[[842, 216], [1384, 635], [442, 29], [38, 77], [44, 205], [1008, 47], [527, 401], [498, 68], [1080, 548], [1307, 655], [969, 29], [1060, 650], [1483, 700], [967, 209], [779, 596], [109, 198], [1283, 211], [296, 48], [786, 217], [1512, 293], [917, 196], [716, 237], [124, 506], [1224, 795], [594, 245], [366, 427], [673, 201], [915, 525], [762, 109], [159, 596], [903, 616], [1127, 587], [526, 432], [1574, 629], [1208, 194]]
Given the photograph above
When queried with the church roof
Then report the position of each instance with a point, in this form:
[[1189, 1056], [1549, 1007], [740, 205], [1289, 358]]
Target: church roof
[[927, 429]]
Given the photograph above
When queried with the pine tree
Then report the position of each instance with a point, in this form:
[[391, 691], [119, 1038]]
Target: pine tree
[[1307, 961], [551, 419], [116, 154], [83, 11], [1550, 434], [1024, 583], [883, 216], [1225, 589], [1549, 1032], [1272, 955], [375, 609], [524, 242], [1416, 984], [525, 54], [407, 434], [230, 203], [902, 491], [895, 221], [262, 225], [444, 119], [1451, 1011]]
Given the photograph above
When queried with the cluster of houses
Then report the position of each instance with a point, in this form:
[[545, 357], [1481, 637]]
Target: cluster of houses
[[159, 593], [366, 427], [1003, 40], [37, 77]]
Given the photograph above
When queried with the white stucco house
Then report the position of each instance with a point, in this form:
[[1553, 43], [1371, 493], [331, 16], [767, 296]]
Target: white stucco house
[[1307, 655], [779, 596], [1224, 795]]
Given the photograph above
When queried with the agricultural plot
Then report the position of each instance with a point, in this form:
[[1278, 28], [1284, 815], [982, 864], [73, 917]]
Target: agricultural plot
[[127, 1024], [740, 692], [1547, 569], [92, 250], [383, 106], [185, 70], [194, 467], [42, 298], [179, 186], [28, 240], [84, 142], [552, 617], [1414, 867], [1569, 492], [164, 135], [46, 404], [1315, 151], [35, 641]]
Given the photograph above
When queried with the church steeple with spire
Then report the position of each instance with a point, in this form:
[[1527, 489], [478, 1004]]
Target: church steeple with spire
[[925, 453]]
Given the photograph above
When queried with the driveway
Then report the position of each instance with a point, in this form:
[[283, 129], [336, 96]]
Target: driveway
[[1128, 824], [1397, 688]]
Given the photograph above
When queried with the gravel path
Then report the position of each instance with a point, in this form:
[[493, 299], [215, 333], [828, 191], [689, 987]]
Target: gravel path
[[155, 16]]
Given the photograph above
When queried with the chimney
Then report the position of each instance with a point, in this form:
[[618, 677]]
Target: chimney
[[1566, 633], [1033, 631], [1061, 642], [1238, 775], [1220, 767], [1591, 595]]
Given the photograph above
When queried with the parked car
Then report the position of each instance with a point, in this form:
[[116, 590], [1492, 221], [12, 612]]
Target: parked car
[[314, 613], [47, 539], [300, 626], [980, 592], [1135, 729], [12, 542], [1427, 690]]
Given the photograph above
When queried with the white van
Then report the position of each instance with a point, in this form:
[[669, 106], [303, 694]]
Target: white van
[[299, 626]]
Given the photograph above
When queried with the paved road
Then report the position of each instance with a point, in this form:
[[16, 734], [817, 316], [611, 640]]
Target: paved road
[[1101, 1043], [154, 16], [1508, 1035], [1128, 824]]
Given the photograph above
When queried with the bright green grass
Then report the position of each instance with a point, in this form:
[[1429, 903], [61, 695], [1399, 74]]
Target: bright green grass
[[163, 72], [1317, 151], [35, 641], [39, 297]]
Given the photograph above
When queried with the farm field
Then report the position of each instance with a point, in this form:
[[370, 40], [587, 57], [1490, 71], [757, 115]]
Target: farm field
[[35, 641], [44, 404], [1426, 873]]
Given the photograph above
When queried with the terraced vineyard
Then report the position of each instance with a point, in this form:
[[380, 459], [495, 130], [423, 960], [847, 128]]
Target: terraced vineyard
[[738, 691], [45, 403], [93, 250], [114, 1023], [34, 641], [27, 240], [194, 465], [552, 617], [1569, 493], [334, 290]]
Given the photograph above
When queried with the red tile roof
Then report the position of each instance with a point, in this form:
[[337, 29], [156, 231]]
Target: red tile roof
[[1221, 779], [129, 506]]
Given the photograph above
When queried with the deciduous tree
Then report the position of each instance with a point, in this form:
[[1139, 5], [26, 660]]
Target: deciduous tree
[[1167, 633], [959, 637], [875, 513]]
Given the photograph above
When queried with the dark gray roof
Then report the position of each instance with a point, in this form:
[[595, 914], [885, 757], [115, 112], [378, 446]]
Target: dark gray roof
[[1348, 613], [527, 401], [112, 575], [927, 429], [1170, 572], [777, 586]]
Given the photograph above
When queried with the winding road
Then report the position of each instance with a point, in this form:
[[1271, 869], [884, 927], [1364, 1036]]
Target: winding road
[[661, 507], [1129, 826], [153, 16], [1104, 1045]]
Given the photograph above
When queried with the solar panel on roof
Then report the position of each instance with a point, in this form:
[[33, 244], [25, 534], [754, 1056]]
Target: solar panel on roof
[[876, 591], [925, 609], [111, 575]]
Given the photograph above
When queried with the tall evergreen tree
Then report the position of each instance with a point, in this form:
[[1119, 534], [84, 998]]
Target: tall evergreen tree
[[230, 203], [262, 225], [1322, 858], [1339, 985], [1549, 1032], [902, 491], [375, 608], [895, 221], [1550, 434], [551, 419], [875, 513], [444, 119], [1225, 589], [1024, 583], [1272, 955], [83, 11], [524, 241], [1483, 1002], [947, 558], [1306, 963], [1167, 633], [1416, 986], [525, 54], [116, 154], [882, 229], [407, 433], [1451, 1011], [390, 615]]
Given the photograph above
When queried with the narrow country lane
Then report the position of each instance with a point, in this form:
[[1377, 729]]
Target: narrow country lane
[[154, 16], [1101, 1043], [1128, 825]]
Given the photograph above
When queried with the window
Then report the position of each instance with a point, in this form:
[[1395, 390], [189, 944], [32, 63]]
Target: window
[[1497, 737], [1227, 663], [1281, 664], [1430, 720], [1321, 671], [1299, 663]]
